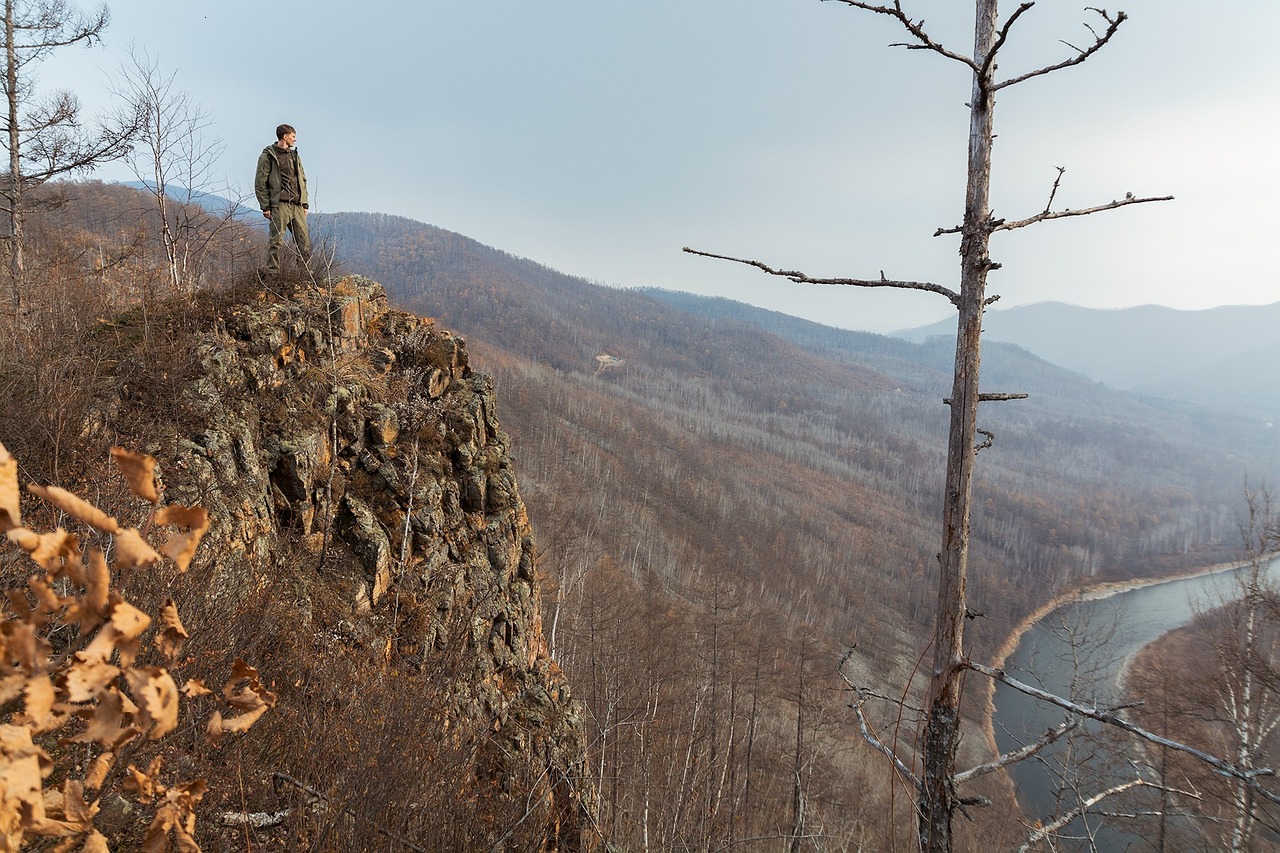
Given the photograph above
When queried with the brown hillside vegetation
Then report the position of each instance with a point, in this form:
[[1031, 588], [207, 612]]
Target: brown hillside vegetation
[[368, 550], [746, 466], [718, 519]]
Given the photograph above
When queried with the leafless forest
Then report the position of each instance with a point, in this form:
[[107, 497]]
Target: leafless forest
[[738, 501], [747, 496]]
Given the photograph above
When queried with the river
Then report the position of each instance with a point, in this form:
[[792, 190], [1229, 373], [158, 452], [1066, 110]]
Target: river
[[1083, 648]]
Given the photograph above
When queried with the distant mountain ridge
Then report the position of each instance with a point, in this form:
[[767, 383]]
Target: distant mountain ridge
[[1214, 356]]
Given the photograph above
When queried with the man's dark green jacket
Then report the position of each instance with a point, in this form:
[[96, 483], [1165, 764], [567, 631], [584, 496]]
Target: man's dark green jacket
[[266, 181]]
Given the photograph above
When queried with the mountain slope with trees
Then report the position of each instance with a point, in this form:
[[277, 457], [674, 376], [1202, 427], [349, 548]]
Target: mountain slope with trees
[[723, 508], [746, 466]]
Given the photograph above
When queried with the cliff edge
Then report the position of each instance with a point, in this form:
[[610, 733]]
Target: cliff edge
[[370, 553]]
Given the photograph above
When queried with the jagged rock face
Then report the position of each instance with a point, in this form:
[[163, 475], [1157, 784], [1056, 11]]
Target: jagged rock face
[[363, 433]]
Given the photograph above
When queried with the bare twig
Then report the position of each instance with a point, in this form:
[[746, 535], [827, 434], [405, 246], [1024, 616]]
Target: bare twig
[[864, 728], [1108, 716], [1001, 38], [315, 796], [1043, 832], [923, 40], [1044, 216], [1099, 40], [1019, 754], [804, 278]]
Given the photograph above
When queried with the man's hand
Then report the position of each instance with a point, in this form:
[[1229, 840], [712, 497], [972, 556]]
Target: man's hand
[[267, 214]]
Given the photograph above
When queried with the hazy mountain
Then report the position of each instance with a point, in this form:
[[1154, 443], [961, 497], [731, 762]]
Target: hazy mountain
[[212, 203], [1216, 356]]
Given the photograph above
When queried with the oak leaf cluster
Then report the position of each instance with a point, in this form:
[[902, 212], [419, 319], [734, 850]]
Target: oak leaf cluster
[[95, 692]]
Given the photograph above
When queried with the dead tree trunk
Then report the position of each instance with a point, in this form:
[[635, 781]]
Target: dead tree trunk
[[942, 729], [937, 799]]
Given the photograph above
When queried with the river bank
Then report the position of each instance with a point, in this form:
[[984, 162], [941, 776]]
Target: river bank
[[1095, 592]]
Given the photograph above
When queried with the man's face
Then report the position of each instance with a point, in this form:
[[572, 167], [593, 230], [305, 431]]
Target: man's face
[[289, 139]]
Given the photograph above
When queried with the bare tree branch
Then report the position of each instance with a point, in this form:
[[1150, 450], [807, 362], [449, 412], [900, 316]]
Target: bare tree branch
[[923, 39], [1113, 24], [1062, 820], [1017, 755], [803, 278], [864, 729], [1219, 766], [1002, 36], [993, 398], [1003, 225]]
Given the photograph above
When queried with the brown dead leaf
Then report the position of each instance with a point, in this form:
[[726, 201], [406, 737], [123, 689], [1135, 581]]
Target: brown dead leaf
[[39, 697], [49, 550], [240, 671], [181, 547], [157, 697], [96, 842], [73, 567], [214, 729], [23, 645], [12, 685], [133, 552], [10, 499], [76, 507], [241, 723], [102, 646], [129, 622], [75, 809], [91, 607], [139, 471], [145, 785], [48, 602], [98, 770], [27, 540], [195, 687], [87, 678], [77, 815], [170, 639], [106, 722], [244, 692], [176, 812], [127, 619], [20, 761], [21, 607]]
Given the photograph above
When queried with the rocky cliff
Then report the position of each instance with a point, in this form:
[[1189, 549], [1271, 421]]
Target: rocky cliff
[[370, 547]]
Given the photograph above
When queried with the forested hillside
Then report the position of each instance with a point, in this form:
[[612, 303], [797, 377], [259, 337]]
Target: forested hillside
[[724, 502], [748, 475]]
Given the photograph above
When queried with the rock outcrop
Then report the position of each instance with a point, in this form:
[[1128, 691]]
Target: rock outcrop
[[328, 426]]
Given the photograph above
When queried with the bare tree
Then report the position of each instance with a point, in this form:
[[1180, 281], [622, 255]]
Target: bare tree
[[174, 160], [937, 797], [44, 137], [1245, 635]]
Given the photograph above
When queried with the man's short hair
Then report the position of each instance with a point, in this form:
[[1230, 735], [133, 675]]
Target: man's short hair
[[284, 129]]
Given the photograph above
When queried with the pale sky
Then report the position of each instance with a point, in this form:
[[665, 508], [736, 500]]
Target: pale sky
[[598, 137]]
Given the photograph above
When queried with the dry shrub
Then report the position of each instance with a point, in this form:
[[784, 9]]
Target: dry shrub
[[367, 748], [74, 662]]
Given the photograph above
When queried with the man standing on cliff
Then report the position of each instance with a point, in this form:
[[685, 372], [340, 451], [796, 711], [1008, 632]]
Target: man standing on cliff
[[281, 187]]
